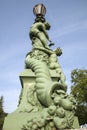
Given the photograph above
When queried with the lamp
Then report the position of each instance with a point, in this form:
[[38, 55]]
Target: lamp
[[39, 10]]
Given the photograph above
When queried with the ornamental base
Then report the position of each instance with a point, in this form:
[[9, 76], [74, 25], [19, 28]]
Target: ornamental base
[[32, 115]]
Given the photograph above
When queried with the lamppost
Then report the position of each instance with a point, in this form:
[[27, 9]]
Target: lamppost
[[43, 103]]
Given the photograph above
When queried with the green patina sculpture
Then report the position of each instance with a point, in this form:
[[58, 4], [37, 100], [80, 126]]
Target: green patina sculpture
[[38, 29], [44, 103]]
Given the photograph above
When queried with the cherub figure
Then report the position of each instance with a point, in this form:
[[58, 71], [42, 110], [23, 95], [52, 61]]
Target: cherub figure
[[53, 64]]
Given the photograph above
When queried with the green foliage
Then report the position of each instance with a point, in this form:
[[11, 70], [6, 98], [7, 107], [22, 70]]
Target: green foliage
[[2, 113], [79, 90]]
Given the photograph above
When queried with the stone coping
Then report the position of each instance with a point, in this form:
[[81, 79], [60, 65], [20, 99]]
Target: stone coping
[[30, 73]]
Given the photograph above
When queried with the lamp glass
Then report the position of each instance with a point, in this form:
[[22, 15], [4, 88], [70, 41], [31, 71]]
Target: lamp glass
[[39, 9]]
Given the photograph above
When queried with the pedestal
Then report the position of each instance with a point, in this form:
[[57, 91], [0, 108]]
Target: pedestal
[[28, 103]]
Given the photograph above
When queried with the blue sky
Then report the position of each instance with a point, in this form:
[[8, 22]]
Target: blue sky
[[68, 19]]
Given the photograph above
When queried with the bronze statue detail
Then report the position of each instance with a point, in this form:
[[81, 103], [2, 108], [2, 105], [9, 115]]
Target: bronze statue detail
[[44, 103]]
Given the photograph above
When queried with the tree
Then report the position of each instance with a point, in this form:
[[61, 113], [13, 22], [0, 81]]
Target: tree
[[79, 90], [2, 113]]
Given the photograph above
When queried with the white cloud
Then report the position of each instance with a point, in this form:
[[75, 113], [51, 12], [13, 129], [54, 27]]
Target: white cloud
[[69, 29]]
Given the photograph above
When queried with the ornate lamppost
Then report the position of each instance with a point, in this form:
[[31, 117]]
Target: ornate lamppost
[[44, 103]]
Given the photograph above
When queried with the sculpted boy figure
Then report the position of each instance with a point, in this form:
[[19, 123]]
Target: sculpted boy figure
[[38, 30], [53, 64]]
